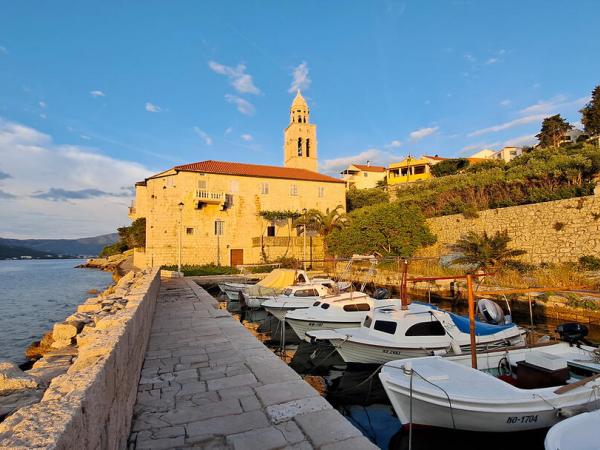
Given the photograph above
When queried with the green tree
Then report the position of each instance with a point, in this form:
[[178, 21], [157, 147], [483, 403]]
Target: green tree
[[553, 131], [135, 234], [590, 114], [384, 228], [449, 167], [482, 251], [359, 198]]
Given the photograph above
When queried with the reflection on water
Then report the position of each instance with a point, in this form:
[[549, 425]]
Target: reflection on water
[[35, 294], [356, 392]]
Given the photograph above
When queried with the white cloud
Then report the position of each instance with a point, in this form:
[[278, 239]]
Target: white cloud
[[42, 104], [43, 116], [505, 102], [558, 103], [243, 106], [228, 130], [492, 61], [204, 135], [97, 94], [394, 144], [521, 141], [376, 157], [239, 79], [422, 132], [150, 107], [87, 183], [246, 137], [469, 57], [84, 136], [300, 78], [506, 125]]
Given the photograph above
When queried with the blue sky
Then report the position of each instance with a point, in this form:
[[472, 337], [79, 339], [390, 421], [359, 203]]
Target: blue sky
[[94, 95]]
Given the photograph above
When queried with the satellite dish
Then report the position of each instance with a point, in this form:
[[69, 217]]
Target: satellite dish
[[490, 311]]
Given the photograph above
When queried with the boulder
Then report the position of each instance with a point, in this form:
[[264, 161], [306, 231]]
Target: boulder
[[85, 308], [12, 402], [61, 343], [39, 348], [64, 331], [14, 379]]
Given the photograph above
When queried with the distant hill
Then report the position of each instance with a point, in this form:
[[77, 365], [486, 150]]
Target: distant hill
[[17, 252], [84, 246]]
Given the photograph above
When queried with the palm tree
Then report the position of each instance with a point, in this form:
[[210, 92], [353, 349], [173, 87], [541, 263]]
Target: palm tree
[[324, 223], [482, 251]]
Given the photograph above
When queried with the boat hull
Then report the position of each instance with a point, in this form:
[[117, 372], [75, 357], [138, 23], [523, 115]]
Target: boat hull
[[359, 353], [280, 313], [301, 327]]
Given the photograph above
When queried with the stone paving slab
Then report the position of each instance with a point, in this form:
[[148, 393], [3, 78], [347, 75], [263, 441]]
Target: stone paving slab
[[207, 383]]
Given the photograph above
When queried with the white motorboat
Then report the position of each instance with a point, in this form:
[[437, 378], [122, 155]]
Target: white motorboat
[[344, 310], [420, 330], [295, 297], [541, 386], [272, 284], [580, 432]]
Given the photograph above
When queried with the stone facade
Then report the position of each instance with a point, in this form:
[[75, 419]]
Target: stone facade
[[300, 138], [552, 232]]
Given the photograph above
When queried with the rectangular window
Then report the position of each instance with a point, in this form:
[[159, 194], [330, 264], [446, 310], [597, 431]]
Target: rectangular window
[[264, 188], [202, 184], [169, 181], [189, 231], [419, 170], [271, 230], [366, 174], [235, 186], [321, 192], [219, 227], [294, 189]]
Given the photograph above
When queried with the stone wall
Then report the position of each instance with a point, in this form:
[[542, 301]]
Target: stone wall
[[555, 232], [91, 405]]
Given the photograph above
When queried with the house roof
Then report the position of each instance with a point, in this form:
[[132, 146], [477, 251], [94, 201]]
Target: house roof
[[255, 170], [366, 168]]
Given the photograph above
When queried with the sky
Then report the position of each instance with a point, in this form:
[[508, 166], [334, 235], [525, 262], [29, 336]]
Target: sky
[[95, 96]]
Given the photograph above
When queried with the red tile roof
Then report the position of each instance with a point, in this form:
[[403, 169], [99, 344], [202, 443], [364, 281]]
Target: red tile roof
[[366, 168], [255, 170]]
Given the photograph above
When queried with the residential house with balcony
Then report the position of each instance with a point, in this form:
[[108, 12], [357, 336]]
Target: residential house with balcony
[[210, 210], [411, 169], [363, 176]]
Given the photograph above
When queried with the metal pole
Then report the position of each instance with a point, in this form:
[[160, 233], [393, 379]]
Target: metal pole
[[304, 243], [471, 298], [179, 244], [218, 250]]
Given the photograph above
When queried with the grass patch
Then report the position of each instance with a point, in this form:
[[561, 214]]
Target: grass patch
[[206, 269]]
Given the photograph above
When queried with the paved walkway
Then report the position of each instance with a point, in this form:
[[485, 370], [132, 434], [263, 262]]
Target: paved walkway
[[207, 383]]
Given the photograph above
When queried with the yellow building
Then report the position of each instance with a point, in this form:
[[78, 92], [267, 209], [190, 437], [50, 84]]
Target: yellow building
[[210, 209], [363, 176], [412, 169]]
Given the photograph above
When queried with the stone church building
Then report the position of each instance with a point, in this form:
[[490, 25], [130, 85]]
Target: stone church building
[[209, 211]]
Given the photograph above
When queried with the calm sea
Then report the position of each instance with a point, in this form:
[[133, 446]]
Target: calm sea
[[35, 294]]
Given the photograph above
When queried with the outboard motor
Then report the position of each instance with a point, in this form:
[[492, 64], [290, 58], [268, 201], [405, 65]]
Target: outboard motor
[[572, 332], [381, 294], [492, 313]]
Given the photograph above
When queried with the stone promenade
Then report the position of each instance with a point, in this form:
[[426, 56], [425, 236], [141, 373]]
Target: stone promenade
[[207, 383]]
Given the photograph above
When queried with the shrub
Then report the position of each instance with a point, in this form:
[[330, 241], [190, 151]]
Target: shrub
[[589, 262], [385, 228], [288, 262], [113, 249], [359, 198], [206, 269], [449, 167]]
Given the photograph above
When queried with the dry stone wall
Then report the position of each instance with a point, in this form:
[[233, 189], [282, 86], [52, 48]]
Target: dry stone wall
[[555, 232], [91, 405]]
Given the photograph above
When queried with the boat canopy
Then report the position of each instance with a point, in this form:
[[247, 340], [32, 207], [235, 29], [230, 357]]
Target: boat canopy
[[275, 282], [481, 328]]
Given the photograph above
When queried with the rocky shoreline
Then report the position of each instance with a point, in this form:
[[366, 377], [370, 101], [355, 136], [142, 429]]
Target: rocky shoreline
[[119, 264], [58, 349]]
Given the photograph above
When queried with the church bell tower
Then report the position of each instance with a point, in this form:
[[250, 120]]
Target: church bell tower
[[300, 138]]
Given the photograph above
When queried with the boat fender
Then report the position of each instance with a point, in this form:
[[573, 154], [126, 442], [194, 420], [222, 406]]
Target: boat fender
[[455, 347], [441, 352]]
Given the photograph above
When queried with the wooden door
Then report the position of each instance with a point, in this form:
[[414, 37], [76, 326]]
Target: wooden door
[[236, 256]]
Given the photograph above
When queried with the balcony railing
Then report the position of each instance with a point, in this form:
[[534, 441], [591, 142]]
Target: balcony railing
[[211, 197]]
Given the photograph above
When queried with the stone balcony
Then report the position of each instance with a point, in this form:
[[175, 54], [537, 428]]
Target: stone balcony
[[210, 197]]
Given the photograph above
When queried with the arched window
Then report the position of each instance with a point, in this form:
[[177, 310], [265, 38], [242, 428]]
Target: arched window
[[307, 147], [299, 119], [299, 146]]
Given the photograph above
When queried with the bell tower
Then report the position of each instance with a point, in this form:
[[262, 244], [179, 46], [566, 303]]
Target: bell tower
[[300, 138]]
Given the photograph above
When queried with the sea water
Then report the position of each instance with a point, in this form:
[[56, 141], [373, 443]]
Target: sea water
[[35, 294]]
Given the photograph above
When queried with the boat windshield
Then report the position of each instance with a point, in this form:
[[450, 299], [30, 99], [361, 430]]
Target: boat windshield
[[287, 292]]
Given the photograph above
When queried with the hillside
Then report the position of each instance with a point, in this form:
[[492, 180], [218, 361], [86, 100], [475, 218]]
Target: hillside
[[83, 246], [16, 252]]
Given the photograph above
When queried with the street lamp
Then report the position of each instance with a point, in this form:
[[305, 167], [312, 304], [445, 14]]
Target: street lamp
[[218, 232], [180, 237], [304, 239]]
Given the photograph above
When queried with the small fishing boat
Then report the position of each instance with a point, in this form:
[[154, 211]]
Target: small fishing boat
[[581, 432], [510, 390], [272, 284], [419, 329], [313, 289], [345, 310], [299, 296]]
